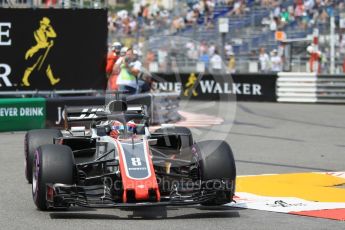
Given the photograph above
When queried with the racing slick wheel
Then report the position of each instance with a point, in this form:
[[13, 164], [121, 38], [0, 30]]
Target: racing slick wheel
[[216, 162], [34, 139], [51, 164]]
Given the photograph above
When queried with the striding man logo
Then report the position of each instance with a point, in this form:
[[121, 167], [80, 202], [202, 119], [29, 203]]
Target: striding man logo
[[36, 56], [190, 89]]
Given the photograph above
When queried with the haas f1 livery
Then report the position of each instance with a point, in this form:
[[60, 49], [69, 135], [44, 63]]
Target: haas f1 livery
[[117, 162]]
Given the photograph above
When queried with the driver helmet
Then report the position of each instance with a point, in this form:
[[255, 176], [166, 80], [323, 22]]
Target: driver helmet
[[116, 125], [116, 129], [131, 127]]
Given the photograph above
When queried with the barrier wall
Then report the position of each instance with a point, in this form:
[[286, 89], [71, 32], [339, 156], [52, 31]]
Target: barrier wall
[[31, 113], [34, 113], [22, 114], [241, 87], [309, 87]]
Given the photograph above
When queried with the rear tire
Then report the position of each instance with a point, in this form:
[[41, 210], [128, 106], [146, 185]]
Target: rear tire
[[52, 164], [216, 162], [34, 139]]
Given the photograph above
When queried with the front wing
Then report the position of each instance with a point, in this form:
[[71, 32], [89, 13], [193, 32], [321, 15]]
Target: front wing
[[97, 196]]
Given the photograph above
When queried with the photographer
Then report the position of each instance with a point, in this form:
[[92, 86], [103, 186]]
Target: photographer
[[130, 68]]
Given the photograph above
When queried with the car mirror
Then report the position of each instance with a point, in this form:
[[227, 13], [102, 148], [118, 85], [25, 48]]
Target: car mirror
[[152, 141]]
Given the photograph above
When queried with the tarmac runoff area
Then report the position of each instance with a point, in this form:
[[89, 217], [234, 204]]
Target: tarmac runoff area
[[290, 163]]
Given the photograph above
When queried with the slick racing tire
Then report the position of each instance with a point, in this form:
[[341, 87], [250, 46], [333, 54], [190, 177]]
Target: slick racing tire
[[216, 162], [185, 139], [52, 164], [34, 139]]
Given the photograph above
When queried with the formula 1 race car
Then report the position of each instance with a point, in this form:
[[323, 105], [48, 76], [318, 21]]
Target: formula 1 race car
[[119, 163]]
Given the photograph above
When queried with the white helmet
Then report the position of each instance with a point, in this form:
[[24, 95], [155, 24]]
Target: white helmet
[[116, 46], [123, 50]]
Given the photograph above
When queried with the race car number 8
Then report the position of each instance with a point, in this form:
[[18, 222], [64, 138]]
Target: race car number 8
[[136, 161]]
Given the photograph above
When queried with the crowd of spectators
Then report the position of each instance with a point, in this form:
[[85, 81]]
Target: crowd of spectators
[[305, 13], [151, 18]]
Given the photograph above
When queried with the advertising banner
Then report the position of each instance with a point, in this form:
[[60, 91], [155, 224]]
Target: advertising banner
[[18, 114], [242, 87], [47, 49]]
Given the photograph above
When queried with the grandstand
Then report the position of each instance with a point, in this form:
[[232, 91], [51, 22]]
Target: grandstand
[[252, 24]]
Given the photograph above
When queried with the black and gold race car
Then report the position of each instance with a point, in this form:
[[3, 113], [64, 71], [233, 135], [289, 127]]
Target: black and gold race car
[[117, 162]]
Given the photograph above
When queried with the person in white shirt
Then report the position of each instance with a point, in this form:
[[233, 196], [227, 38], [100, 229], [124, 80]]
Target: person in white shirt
[[228, 49], [211, 49], [264, 61], [216, 63], [276, 62]]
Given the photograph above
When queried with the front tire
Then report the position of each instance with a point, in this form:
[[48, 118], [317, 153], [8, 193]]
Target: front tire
[[216, 162], [52, 164], [34, 139]]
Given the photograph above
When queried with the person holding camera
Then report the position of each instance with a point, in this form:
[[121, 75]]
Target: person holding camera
[[130, 68]]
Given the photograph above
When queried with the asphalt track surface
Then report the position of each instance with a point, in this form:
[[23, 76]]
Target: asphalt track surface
[[265, 137]]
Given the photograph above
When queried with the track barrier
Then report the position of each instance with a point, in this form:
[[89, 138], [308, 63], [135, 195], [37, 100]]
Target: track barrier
[[47, 111], [241, 87], [310, 87], [22, 114], [18, 114]]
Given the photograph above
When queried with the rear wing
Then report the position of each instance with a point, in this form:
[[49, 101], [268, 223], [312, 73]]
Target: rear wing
[[85, 115]]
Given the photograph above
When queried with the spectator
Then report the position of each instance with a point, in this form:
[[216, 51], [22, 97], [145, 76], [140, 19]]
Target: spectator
[[273, 23], [130, 69], [232, 63], [238, 8], [264, 61], [162, 56], [177, 24], [211, 49], [276, 62], [299, 10], [342, 44], [228, 49], [205, 58], [309, 4], [285, 16], [192, 52], [276, 11], [112, 57], [150, 57], [216, 63], [323, 18], [203, 47]]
